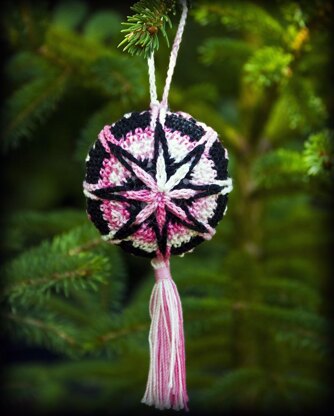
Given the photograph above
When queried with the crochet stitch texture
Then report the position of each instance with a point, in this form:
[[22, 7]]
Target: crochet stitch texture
[[157, 190]]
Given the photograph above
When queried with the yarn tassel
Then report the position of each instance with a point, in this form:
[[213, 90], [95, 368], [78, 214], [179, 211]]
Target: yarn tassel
[[166, 385]]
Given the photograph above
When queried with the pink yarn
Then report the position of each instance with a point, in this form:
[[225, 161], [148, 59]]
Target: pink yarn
[[166, 384]]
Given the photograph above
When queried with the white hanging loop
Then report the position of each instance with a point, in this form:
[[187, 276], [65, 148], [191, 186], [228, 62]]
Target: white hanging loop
[[152, 81], [174, 53], [159, 109]]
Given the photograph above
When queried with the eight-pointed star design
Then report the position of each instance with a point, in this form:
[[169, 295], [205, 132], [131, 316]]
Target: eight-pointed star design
[[164, 192]]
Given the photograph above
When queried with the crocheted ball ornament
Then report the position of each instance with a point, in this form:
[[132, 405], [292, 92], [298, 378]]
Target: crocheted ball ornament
[[156, 184], [156, 193]]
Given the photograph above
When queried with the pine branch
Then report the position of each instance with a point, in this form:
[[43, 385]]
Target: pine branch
[[63, 59], [109, 380], [93, 127], [318, 157], [95, 65], [279, 167], [102, 26], [215, 50], [68, 15], [202, 109], [267, 66], [300, 340], [111, 333], [229, 385], [25, 66], [290, 318], [299, 111], [293, 319], [26, 228], [142, 33], [31, 104], [286, 292], [243, 16], [36, 326], [71, 265], [255, 387], [60, 274], [56, 266], [25, 25]]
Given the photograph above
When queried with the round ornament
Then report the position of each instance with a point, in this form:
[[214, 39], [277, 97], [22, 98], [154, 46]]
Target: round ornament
[[157, 190], [157, 184]]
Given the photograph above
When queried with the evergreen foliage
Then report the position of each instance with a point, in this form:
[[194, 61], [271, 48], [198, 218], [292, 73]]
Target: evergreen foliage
[[142, 32], [256, 321], [62, 60]]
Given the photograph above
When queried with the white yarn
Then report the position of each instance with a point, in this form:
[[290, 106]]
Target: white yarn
[[177, 177], [152, 81], [174, 52], [161, 174], [160, 108], [228, 186]]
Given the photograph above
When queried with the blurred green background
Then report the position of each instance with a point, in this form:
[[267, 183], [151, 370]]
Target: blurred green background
[[256, 310]]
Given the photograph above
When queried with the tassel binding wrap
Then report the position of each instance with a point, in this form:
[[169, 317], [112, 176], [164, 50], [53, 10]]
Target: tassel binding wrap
[[166, 385]]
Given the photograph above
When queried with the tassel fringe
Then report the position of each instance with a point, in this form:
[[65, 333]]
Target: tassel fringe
[[166, 384]]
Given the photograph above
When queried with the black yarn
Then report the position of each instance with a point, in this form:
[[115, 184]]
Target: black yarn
[[194, 154], [128, 228], [96, 155], [160, 237], [126, 231], [184, 126], [175, 122], [212, 190], [93, 210], [160, 137], [122, 155], [136, 251], [192, 243], [192, 222], [217, 154], [105, 194], [219, 211], [125, 125]]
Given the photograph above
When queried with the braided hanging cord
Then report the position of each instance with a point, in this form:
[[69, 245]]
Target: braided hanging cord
[[160, 108]]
